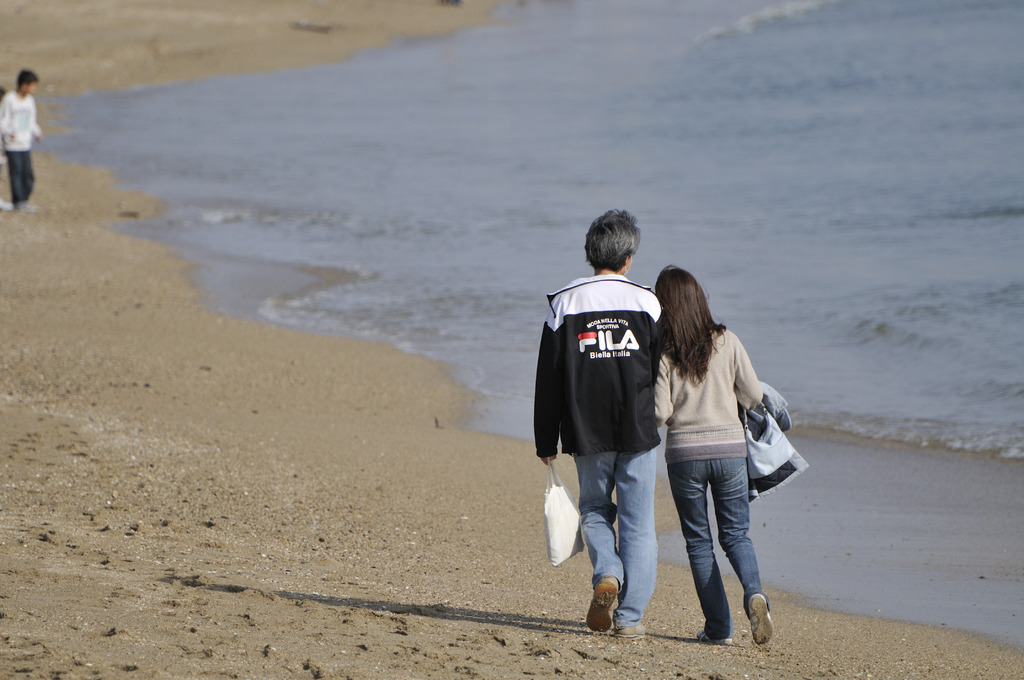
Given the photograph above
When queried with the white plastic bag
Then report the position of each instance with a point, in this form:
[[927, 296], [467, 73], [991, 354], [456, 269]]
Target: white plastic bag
[[561, 520]]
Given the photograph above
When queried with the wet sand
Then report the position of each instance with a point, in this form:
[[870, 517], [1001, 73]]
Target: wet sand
[[187, 494]]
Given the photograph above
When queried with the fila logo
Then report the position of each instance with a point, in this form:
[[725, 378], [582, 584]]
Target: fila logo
[[605, 341]]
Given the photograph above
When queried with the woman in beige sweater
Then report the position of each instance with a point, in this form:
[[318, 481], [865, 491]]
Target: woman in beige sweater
[[704, 379]]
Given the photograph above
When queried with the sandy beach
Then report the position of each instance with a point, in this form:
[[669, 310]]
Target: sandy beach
[[186, 494]]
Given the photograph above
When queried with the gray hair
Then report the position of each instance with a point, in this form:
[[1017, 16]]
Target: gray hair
[[612, 238]]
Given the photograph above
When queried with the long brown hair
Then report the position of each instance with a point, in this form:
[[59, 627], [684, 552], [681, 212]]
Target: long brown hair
[[689, 332]]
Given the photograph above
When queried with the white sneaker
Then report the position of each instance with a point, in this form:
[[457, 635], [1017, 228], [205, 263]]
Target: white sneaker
[[25, 207], [5, 206]]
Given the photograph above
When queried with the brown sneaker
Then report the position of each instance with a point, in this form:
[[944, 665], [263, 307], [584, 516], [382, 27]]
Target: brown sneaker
[[606, 595], [703, 638], [630, 632], [761, 626]]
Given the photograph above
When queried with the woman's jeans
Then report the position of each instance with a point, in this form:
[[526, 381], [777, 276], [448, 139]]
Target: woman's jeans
[[727, 478], [635, 561]]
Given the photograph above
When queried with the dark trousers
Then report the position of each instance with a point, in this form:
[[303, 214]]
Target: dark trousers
[[19, 166]]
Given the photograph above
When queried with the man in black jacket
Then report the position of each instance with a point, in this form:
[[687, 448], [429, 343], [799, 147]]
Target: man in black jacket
[[596, 370]]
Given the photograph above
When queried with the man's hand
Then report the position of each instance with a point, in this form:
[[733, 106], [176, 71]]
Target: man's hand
[[549, 459]]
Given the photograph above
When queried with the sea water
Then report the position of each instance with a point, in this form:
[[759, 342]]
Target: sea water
[[844, 177]]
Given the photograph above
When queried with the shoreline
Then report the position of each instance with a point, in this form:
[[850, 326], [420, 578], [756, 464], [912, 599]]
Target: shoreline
[[238, 287], [188, 493]]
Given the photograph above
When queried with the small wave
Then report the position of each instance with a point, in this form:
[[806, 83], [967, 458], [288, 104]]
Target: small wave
[[940, 302], [868, 331], [922, 434], [223, 216], [772, 14], [1010, 296], [325, 278], [994, 389], [989, 213]]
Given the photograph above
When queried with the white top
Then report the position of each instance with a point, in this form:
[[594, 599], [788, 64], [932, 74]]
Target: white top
[[18, 124]]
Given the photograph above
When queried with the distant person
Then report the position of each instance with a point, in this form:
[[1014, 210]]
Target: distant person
[[596, 371], [18, 127], [4, 205], [704, 378]]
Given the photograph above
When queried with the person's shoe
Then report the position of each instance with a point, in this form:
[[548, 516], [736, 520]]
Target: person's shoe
[[606, 594], [630, 632], [761, 627], [705, 640], [5, 206], [24, 207]]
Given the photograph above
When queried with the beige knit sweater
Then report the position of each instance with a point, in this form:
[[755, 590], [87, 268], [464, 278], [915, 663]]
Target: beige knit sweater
[[703, 420]]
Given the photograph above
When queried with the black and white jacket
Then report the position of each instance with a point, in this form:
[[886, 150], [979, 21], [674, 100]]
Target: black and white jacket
[[596, 370]]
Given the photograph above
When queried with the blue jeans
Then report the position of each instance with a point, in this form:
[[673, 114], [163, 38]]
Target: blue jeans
[[635, 561], [727, 478], [19, 165]]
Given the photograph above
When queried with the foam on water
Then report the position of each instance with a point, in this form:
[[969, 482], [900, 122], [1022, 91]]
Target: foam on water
[[773, 13]]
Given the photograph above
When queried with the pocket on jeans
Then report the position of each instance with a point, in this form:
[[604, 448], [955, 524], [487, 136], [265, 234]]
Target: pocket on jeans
[[686, 469], [732, 467], [737, 463]]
